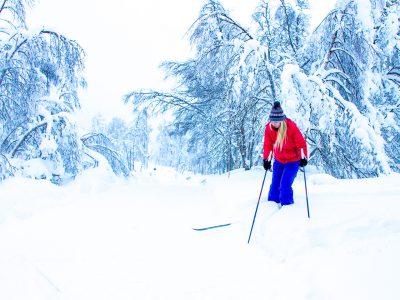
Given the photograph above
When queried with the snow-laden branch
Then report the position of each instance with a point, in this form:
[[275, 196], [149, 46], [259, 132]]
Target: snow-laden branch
[[26, 135]]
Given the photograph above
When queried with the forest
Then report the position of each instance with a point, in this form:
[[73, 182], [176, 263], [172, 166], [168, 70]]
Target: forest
[[339, 82]]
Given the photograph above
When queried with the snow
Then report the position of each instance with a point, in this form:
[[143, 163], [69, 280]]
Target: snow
[[48, 146], [102, 237], [393, 24], [365, 17], [36, 167]]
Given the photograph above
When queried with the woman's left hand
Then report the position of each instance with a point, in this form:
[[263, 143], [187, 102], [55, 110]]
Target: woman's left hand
[[303, 162]]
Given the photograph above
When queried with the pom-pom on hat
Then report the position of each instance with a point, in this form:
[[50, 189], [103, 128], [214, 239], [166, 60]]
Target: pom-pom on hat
[[276, 113]]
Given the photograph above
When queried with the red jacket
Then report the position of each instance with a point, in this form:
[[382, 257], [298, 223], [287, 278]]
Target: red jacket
[[291, 149]]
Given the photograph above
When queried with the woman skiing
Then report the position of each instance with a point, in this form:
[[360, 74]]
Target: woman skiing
[[283, 141]]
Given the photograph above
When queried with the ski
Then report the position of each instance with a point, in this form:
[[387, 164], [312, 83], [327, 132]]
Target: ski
[[212, 227]]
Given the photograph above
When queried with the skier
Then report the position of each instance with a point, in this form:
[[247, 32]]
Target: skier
[[284, 142]]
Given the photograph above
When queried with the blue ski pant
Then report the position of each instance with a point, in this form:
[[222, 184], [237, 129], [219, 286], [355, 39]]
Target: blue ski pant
[[283, 177]]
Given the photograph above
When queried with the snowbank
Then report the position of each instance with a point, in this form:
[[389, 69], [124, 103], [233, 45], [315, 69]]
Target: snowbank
[[102, 237]]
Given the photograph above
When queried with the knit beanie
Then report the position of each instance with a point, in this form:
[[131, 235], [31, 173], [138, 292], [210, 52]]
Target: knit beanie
[[276, 113]]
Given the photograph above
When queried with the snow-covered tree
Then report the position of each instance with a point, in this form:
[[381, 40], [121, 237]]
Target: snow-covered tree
[[291, 26], [132, 138], [340, 82], [333, 96], [172, 148], [40, 75], [218, 107], [122, 143], [384, 78]]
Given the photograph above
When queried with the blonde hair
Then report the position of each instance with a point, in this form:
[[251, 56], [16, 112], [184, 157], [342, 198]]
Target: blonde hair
[[281, 137]]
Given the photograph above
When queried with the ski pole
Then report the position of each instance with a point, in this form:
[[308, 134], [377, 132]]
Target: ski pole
[[305, 184], [255, 213]]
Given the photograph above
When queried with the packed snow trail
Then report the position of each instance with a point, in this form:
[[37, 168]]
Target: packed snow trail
[[105, 238]]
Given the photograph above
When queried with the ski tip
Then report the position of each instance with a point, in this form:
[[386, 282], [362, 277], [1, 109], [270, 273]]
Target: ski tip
[[212, 227]]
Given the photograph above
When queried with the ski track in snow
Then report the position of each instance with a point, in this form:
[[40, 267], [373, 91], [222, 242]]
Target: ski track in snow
[[106, 238]]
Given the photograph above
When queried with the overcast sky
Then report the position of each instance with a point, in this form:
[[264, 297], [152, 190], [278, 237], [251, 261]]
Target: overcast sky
[[126, 40]]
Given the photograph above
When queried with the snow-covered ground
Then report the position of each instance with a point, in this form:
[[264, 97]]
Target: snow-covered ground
[[101, 237]]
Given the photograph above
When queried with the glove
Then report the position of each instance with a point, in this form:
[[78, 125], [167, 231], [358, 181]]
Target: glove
[[267, 164], [303, 162]]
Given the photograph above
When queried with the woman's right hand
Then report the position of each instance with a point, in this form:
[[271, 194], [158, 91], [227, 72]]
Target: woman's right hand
[[266, 164]]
